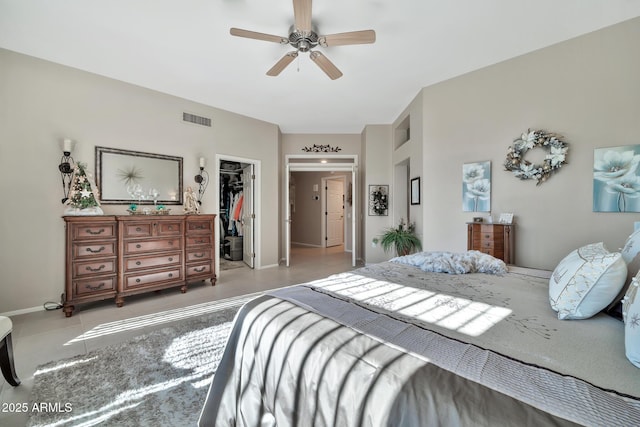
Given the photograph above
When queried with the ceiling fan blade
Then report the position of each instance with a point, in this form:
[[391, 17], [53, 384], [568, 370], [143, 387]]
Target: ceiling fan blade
[[282, 63], [302, 14], [326, 65], [258, 36], [353, 37]]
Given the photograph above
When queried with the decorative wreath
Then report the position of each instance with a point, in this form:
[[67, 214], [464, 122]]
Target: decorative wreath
[[553, 161]]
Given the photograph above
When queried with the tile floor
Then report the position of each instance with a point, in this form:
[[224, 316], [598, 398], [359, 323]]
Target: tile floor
[[44, 336]]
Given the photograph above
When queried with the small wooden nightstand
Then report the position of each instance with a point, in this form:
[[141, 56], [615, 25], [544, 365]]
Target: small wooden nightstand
[[494, 239]]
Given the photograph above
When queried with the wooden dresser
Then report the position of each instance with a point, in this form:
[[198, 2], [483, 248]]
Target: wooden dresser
[[117, 256], [494, 239]]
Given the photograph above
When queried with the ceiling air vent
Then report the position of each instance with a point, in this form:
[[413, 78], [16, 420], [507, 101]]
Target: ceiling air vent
[[198, 120]]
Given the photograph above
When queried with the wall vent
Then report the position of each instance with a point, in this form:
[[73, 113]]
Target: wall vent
[[198, 120]]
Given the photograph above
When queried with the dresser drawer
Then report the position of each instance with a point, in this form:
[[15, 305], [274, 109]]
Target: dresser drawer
[[94, 249], [198, 269], [153, 278], [198, 255], [104, 266], [94, 286], [140, 246], [94, 231], [199, 240], [152, 261], [203, 226], [168, 228], [138, 229]]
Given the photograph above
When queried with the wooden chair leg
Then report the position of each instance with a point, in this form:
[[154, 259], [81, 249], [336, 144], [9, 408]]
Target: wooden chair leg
[[6, 361]]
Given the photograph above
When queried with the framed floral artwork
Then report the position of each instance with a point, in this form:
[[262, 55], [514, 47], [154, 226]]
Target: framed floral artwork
[[476, 187], [378, 200], [616, 179]]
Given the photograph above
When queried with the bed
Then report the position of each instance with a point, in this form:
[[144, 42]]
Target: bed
[[392, 345]]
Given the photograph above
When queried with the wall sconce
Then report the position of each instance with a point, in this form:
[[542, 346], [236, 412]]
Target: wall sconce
[[66, 168], [202, 179]]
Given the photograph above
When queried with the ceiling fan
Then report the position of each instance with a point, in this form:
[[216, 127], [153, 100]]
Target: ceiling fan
[[303, 37]]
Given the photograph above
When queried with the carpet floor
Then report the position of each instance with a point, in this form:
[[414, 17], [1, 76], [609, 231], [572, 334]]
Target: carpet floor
[[157, 379]]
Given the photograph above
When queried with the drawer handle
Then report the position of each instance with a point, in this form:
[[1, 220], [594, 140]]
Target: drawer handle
[[200, 241], [96, 269], [199, 255], [138, 246], [102, 248], [199, 270], [137, 280], [170, 227], [199, 227], [170, 274], [486, 236], [138, 263], [170, 242], [138, 229], [170, 259], [95, 233], [95, 288]]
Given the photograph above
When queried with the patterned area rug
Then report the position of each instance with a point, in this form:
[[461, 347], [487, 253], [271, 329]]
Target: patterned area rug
[[157, 379]]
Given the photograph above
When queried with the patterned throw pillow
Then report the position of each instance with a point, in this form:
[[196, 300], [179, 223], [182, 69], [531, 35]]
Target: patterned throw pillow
[[631, 315], [586, 281]]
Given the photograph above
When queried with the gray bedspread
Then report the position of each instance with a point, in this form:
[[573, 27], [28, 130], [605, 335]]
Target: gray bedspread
[[392, 345]]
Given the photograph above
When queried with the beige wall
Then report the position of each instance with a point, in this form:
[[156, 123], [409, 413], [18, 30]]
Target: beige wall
[[41, 103], [587, 89]]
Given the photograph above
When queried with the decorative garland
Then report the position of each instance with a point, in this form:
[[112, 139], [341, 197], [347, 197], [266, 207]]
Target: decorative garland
[[321, 149], [553, 161]]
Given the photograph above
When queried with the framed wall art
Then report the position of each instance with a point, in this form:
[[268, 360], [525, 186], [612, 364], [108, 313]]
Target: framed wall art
[[379, 200], [415, 191], [616, 179], [476, 187]]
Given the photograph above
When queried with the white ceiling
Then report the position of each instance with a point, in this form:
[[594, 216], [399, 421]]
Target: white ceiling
[[183, 48]]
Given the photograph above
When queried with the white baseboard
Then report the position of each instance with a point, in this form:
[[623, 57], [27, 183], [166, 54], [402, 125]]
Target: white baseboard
[[23, 311]]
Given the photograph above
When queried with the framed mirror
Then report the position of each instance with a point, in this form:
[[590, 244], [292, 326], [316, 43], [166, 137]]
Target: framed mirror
[[124, 177]]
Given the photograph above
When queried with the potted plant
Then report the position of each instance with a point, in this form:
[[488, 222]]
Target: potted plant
[[401, 238]]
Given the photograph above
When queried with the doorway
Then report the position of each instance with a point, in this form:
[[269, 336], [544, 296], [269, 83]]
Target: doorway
[[322, 163], [236, 225]]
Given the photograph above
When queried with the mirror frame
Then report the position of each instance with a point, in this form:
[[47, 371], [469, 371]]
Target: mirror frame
[[103, 167]]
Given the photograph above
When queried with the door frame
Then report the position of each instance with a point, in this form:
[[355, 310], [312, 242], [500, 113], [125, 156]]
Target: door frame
[[312, 163], [257, 223]]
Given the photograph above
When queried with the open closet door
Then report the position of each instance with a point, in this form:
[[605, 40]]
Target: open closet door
[[248, 215]]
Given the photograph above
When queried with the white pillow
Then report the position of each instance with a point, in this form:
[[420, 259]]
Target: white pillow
[[631, 315], [631, 255], [586, 281]]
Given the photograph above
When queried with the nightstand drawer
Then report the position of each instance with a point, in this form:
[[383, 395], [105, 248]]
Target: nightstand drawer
[[152, 261]]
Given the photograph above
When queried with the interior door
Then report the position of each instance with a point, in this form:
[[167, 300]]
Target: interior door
[[334, 215], [248, 215]]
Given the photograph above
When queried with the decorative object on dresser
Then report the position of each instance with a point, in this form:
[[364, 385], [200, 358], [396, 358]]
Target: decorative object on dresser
[[66, 167], [202, 179], [117, 256], [83, 193], [496, 240]]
